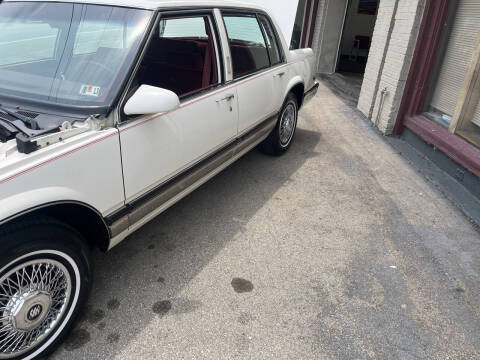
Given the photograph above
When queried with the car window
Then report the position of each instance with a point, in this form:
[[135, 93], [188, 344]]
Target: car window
[[272, 43], [181, 56], [75, 54], [247, 44], [193, 27]]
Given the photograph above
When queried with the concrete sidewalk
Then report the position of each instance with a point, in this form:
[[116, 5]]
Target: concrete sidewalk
[[338, 250]]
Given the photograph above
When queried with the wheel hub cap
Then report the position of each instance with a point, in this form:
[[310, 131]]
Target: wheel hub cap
[[26, 311]]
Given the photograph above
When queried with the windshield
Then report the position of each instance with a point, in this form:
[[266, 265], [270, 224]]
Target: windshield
[[65, 53]]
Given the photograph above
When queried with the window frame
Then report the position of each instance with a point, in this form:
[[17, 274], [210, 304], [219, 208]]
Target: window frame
[[275, 39], [159, 15], [254, 13], [216, 43], [421, 72], [210, 15], [461, 123]]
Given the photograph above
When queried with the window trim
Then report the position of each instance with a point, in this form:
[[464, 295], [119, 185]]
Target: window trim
[[275, 36], [252, 13], [262, 30]]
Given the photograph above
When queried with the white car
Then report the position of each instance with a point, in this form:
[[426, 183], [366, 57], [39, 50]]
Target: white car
[[110, 112]]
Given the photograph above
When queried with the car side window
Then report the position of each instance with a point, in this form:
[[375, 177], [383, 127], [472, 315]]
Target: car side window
[[272, 43], [247, 44], [181, 56]]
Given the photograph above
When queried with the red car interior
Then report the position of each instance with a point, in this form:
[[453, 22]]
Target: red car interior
[[247, 57], [186, 65], [180, 65]]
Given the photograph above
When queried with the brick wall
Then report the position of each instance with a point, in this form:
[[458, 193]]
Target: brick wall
[[393, 43]]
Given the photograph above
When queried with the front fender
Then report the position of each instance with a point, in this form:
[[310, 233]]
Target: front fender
[[20, 203]]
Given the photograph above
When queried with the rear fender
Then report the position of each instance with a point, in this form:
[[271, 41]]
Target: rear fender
[[296, 80]]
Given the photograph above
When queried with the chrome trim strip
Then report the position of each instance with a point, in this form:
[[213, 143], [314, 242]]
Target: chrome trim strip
[[119, 226], [183, 183], [113, 218], [174, 192]]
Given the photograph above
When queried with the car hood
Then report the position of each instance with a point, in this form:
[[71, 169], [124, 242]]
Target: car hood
[[8, 150]]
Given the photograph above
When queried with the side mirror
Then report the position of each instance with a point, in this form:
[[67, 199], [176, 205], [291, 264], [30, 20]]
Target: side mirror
[[151, 100]]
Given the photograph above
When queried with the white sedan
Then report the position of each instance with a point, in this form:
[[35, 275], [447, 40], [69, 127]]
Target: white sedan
[[110, 112]]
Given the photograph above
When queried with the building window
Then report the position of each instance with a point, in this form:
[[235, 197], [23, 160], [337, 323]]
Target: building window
[[454, 93]]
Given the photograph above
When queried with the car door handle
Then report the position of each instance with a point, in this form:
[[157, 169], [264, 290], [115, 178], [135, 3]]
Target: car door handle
[[227, 98], [279, 74]]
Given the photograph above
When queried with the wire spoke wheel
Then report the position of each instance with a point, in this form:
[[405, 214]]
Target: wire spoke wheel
[[34, 298], [288, 122]]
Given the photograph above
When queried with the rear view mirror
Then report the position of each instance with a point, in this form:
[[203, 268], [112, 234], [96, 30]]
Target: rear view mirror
[[149, 100]]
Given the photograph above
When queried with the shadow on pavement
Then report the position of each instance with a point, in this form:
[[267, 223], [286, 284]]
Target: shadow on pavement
[[142, 277]]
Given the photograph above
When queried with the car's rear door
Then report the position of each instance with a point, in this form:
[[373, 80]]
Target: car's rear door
[[180, 57], [256, 73]]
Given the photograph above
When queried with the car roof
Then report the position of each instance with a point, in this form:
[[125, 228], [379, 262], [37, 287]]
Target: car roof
[[159, 4]]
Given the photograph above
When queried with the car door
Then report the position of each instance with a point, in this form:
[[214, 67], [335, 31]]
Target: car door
[[251, 69], [279, 71], [183, 56]]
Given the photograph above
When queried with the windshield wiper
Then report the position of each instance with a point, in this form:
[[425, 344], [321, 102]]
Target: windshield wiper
[[8, 131], [32, 123]]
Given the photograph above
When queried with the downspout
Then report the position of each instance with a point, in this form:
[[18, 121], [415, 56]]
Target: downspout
[[383, 95], [382, 64]]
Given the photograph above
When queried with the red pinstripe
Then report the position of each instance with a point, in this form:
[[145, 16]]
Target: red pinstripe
[[14, 176], [206, 97], [55, 158]]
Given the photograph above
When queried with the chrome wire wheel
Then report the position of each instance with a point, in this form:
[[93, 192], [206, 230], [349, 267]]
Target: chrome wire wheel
[[288, 122], [34, 298]]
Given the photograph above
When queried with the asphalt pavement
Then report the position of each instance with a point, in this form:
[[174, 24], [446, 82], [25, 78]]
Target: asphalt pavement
[[338, 250]]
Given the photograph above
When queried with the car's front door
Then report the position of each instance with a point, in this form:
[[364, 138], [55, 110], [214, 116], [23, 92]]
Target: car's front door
[[183, 56]]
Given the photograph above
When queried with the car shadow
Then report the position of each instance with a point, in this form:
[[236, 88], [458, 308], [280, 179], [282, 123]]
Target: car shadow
[[143, 277]]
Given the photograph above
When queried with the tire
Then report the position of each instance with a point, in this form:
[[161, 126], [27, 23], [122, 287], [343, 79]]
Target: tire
[[278, 143], [50, 262]]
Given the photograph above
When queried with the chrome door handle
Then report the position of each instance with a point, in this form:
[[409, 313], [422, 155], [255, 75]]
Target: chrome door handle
[[227, 98], [280, 74]]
